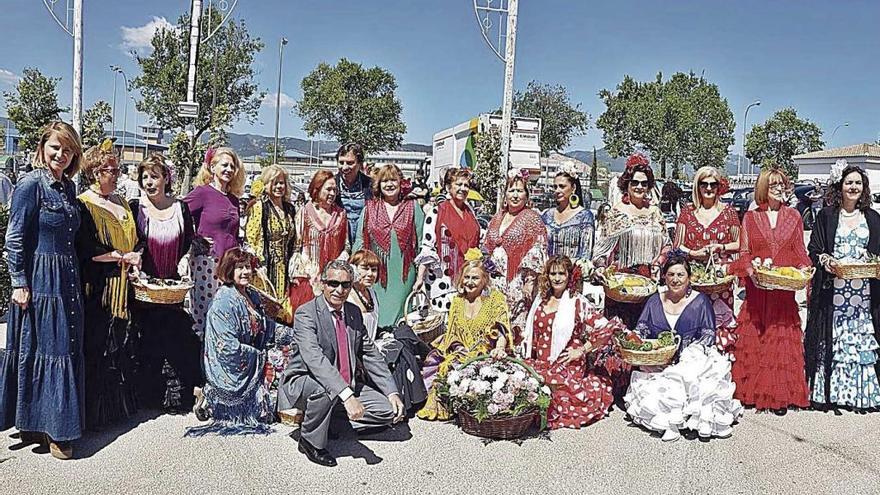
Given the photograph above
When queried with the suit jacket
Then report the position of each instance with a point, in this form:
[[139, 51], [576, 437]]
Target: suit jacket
[[315, 354]]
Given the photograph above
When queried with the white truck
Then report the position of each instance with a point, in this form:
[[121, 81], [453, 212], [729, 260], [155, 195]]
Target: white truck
[[454, 147]]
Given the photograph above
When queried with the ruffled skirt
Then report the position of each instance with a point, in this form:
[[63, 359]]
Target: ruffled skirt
[[577, 398], [696, 393]]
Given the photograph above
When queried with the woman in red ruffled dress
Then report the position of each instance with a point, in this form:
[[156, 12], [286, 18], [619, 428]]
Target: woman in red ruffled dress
[[561, 341], [769, 354], [708, 227]]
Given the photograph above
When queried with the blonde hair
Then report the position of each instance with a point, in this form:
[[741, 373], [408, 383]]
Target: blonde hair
[[269, 174], [95, 158], [762, 186], [470, 265], [700, 174], [385, 172], [205, 176], [68, 137]]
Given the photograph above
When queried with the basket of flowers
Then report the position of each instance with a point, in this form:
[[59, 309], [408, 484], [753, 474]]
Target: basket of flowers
[[710, 278], [637, 351], [788, 278], [498, 399], [852, 269], [627, 287], [159, 290]]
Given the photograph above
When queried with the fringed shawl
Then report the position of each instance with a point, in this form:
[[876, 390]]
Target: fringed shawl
[[324, 243], [377, 234], [524, 231]]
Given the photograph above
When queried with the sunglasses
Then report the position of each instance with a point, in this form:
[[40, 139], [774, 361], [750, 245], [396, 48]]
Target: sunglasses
[[708, 185], [335, 284], [642, 183]]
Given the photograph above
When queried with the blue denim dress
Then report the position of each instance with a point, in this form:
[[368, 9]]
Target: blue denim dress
[[41, 379]]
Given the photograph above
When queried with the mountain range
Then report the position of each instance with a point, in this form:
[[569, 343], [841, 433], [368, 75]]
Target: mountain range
[[253, 144]]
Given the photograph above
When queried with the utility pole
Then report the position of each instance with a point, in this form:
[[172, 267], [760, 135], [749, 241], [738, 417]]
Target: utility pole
[[72, 12], [278, 98], [745, 119], [113, 115]]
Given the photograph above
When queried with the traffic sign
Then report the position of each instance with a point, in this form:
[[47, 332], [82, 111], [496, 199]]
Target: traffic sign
[[188, 109]]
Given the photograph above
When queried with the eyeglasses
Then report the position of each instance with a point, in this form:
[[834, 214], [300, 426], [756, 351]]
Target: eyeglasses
[[110, 171], [335, 284], [777, 185], [708, 185], [642, 183]]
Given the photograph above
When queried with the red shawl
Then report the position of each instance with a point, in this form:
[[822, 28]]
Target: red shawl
[[378, 228], [464, 230], [330, 239], [522, 233]]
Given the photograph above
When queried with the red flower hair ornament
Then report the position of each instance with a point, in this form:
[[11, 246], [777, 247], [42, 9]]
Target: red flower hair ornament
[[209, 155]]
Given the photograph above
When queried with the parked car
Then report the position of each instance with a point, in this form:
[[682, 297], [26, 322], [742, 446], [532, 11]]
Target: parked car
[[740, 199], [807, 199]]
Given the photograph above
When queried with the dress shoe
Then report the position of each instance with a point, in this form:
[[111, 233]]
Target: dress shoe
[[200, 408], [318, 456], [61, 450]]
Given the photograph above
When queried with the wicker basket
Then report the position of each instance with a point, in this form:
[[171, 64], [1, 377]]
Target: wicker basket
[[170, 294], [772, 281], [273, 308], [504, 428], [650, 358], [858, 270], [427, 325], [620, 293], [719, 286]]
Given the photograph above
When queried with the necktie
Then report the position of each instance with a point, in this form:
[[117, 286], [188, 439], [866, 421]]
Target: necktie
[[343, 362]]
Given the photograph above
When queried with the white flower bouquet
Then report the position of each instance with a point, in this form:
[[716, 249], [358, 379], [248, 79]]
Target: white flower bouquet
[[489, 389]]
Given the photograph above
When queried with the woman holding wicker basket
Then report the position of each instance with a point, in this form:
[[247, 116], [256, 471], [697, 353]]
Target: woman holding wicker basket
[[697, 392], [708, 231], [843, 324], [769, 353]]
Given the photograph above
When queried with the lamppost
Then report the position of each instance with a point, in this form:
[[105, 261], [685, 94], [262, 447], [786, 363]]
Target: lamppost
[[118, 70], [278, 98], [72, 25], [134, 143], [511, 10], [845, 124], [745, 120], [113, 115]]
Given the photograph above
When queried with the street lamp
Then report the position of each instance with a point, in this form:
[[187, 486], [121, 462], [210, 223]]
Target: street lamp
[[134, 144], [845, 124], [118, 70], [113, 115], [745, 119], [278, 98]]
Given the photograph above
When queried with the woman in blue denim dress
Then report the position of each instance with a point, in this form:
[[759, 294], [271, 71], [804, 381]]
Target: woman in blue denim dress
[[41, 379]]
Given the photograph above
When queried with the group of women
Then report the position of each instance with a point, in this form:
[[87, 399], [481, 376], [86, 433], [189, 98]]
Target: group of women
[[82, 353]]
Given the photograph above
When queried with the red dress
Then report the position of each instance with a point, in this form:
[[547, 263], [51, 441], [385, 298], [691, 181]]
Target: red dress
[[723, 230], [769, 366], [579, 396]]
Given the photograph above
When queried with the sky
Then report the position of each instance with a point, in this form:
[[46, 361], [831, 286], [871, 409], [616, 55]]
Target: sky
[[820, 57]]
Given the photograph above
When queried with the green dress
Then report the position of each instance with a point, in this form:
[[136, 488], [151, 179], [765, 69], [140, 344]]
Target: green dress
[[392, 297]]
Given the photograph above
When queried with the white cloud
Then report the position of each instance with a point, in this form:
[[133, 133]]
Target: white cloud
[[8, 77], [140, 37], [286, 101]]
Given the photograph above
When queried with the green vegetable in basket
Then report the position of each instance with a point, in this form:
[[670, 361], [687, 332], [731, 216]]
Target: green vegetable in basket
[[647, 346], [665, 339]]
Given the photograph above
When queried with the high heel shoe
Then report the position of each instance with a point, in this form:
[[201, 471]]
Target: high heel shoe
[[200, 408], [61, 450]]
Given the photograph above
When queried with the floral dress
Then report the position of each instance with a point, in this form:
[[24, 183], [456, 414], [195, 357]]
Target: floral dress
[[579, 396], [724, 229], [271, 233], [853, 377]]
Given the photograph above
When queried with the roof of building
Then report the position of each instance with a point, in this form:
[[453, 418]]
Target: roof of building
[[863, 149]]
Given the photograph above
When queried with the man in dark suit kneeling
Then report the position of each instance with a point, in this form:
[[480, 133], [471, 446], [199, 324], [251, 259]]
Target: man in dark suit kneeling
[[330, 338]]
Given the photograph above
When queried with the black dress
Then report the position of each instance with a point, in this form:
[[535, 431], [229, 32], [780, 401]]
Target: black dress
[[169, 350]]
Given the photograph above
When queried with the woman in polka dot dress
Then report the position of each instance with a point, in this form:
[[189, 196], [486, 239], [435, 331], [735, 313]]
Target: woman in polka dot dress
[[842, 326], [562, 335], [214, 206], [708, 227], [450, 229]]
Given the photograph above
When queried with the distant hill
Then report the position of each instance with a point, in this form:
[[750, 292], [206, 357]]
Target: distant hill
[[619, 163], [254, 144]]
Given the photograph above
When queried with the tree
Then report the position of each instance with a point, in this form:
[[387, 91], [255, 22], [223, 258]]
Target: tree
[[560, 120], [93, 122], [352, 104], [3, 139], [683, 120], [225, 86], [487, 175], [594, 171], [268, 159], [781, 137], [32, 105]]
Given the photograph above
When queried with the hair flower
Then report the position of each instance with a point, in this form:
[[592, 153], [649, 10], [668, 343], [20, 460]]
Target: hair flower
[[637, 159], [836, 174], [106, 145], [209, 155], [473, 254]]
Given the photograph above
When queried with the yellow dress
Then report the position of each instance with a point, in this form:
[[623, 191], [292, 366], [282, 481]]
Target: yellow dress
[[464, 339], [271, 239]]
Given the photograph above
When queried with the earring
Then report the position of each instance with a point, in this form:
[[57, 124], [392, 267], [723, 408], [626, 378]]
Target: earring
[[574, 201]]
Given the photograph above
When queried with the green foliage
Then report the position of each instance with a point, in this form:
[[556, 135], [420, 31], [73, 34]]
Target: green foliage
[[594, 170], [183, 151], [31, 105], [352, 104], [267, 160], [682, 120], [93, 122], [560, 119], [5, 281], [781, 137], [488, 178], [226, 89]]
